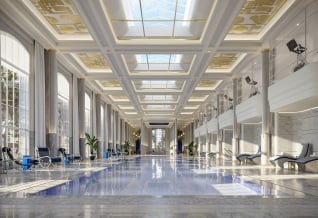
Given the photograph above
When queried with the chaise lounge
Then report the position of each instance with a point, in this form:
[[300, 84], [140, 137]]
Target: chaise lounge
[[280, 160], [309, 164], [45, 160], [242, 158]]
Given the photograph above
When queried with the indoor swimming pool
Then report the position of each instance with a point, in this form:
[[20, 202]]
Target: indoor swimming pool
[[161, 176]]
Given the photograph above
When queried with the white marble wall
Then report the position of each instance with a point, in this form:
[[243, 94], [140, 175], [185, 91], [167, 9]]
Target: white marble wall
[[304, 30], [213, 147], [294, 129], [250, 138], [254, 69], [227, 139]]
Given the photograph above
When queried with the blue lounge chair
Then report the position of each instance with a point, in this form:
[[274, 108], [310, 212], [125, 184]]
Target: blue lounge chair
[[8, 157], [44, 158], [69, 157], [279, 160]]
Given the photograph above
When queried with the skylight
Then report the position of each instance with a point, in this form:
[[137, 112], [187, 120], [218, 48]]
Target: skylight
[[158, 84], [158, 19], [158, 62], [158, 98]]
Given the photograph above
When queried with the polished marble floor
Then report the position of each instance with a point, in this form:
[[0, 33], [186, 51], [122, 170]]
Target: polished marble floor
[[158, 186]]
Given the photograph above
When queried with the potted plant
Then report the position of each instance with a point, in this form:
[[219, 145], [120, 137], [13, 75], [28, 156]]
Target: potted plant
[[190, 147], [91, 141], [126, 147]]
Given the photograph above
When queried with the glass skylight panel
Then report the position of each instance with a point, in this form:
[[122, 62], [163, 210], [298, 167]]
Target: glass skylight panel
[[158, 84], [131, 9], [158, 19], [158, 107], [158, 98], [158, 62], [158, 10]]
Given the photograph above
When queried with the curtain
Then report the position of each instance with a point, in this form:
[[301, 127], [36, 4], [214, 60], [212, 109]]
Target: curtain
[[39, 95]]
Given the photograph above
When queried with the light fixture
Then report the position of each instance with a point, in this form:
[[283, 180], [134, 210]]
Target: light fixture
[[250, 81], [230, 104], [293, 46], [228, 98]]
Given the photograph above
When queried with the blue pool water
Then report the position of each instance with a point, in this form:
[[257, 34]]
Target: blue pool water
[[159, 175]]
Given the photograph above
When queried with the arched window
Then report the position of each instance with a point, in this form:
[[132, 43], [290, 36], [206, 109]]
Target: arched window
[[15, 69], [88, 118], [63, 99]]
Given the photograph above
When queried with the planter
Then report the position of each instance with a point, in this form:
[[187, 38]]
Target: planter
[[92, 157]]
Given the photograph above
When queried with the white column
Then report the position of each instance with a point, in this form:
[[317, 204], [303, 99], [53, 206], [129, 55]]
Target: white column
[[266, 134], [39, 95], [235, 139], [219, 132], [98, 124], [51, 100], [76, 150], [81, 116]]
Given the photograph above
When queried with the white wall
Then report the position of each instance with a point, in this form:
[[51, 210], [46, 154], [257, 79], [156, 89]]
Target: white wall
[[250, 138], [294, 129], [285, 61]]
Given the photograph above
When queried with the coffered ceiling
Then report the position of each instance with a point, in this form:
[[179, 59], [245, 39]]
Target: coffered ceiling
[[156, 61]]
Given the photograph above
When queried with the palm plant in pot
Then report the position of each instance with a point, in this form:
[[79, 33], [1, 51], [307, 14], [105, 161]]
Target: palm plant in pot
[[126, 147], [191, 149], [92, 142]]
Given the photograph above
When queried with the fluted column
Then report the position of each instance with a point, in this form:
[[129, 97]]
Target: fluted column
[[235, 139], [266, 130], [219, 132]]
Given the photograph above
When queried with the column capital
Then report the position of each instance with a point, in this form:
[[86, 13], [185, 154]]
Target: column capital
[[266, 50]]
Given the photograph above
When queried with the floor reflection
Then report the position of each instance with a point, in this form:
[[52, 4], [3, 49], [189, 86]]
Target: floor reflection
[[161, 175]]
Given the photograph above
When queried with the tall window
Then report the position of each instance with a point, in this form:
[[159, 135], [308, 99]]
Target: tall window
[[87, 118], [63, 98], [158, 140], [15, 67]]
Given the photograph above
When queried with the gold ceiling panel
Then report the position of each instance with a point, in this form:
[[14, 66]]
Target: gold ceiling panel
[[223, 60], [207, 84], [110, 83], [191, 107], [126, 107], [196, 98], [93, 60], [120, 98], [255, 15], [61, 15]]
